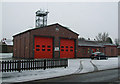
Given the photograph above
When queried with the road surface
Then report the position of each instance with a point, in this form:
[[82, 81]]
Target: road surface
[[100, 76]]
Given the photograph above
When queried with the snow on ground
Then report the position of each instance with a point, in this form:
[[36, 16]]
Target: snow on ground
[[41, 74], [74, 66], [106, 64], [6, 56]]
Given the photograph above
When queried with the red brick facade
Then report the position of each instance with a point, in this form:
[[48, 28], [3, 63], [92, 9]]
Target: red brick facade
[[85, 51], [24, 42], [111, 50]]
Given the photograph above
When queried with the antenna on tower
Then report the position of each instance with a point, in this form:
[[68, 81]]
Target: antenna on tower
[[41, 18]]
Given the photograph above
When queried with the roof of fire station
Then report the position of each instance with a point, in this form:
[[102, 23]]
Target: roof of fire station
[[57, 24], [94, 43]]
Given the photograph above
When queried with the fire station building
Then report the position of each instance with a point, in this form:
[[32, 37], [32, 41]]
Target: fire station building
[[52, 41], [56, 41]]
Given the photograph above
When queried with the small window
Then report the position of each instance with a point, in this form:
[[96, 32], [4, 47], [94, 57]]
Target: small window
[[43, 49], [88, 50], [62, 46], [71, 50], [62, 49], [67, 50], [37, 45], [48, 49], [43, 46], [49, 46], [37, 49], [71, 47], [66, 46]]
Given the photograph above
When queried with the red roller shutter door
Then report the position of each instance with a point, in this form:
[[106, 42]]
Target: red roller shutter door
[[67, 48], [43, 47]]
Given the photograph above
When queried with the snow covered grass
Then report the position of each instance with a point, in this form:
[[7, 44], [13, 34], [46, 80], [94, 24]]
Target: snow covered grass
[[6, 56], [41, 74], [106, 64]]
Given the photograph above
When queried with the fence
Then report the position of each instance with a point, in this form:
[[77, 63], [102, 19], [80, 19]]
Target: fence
[[20, 65]]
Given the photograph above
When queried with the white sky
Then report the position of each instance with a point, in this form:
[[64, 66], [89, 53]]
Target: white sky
[[60, 0], [85, 18]]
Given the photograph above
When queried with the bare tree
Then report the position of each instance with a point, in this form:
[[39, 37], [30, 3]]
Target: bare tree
[[99, 37], [102, 37]]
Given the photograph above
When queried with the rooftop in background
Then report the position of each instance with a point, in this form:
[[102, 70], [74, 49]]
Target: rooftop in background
[[93, 43], [2, 43], [6, 42], [89, 43]]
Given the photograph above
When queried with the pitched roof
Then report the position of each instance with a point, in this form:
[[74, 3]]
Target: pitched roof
[[3, 43], [89, 43], [94, 43], [46, 27], [7, 42], [106, 43]]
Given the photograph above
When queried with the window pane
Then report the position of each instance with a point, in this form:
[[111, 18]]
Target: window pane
[[62, 49], [37, 45], [49, 46], [37, 49], [67, 50], [66, 46], [62, 46], [71, 47], [71, 50], [43, 46], [43, 49], [48, 49]]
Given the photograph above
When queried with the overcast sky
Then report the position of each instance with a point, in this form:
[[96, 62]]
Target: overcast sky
[[85, 18]]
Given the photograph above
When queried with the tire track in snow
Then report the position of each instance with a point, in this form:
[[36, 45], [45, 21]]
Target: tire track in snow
[[80, 67], [95, 67]]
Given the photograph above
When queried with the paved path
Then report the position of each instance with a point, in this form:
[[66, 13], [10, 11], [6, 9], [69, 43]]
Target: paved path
[[86, 66], [80, 68], [95, 67]]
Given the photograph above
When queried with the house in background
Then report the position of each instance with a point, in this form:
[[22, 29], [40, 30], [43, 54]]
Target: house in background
[[110, 49], [118, 50], [6, 46], [86, 47]]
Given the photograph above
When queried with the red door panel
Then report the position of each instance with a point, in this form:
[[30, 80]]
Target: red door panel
[[67, 48], [43, 47]]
